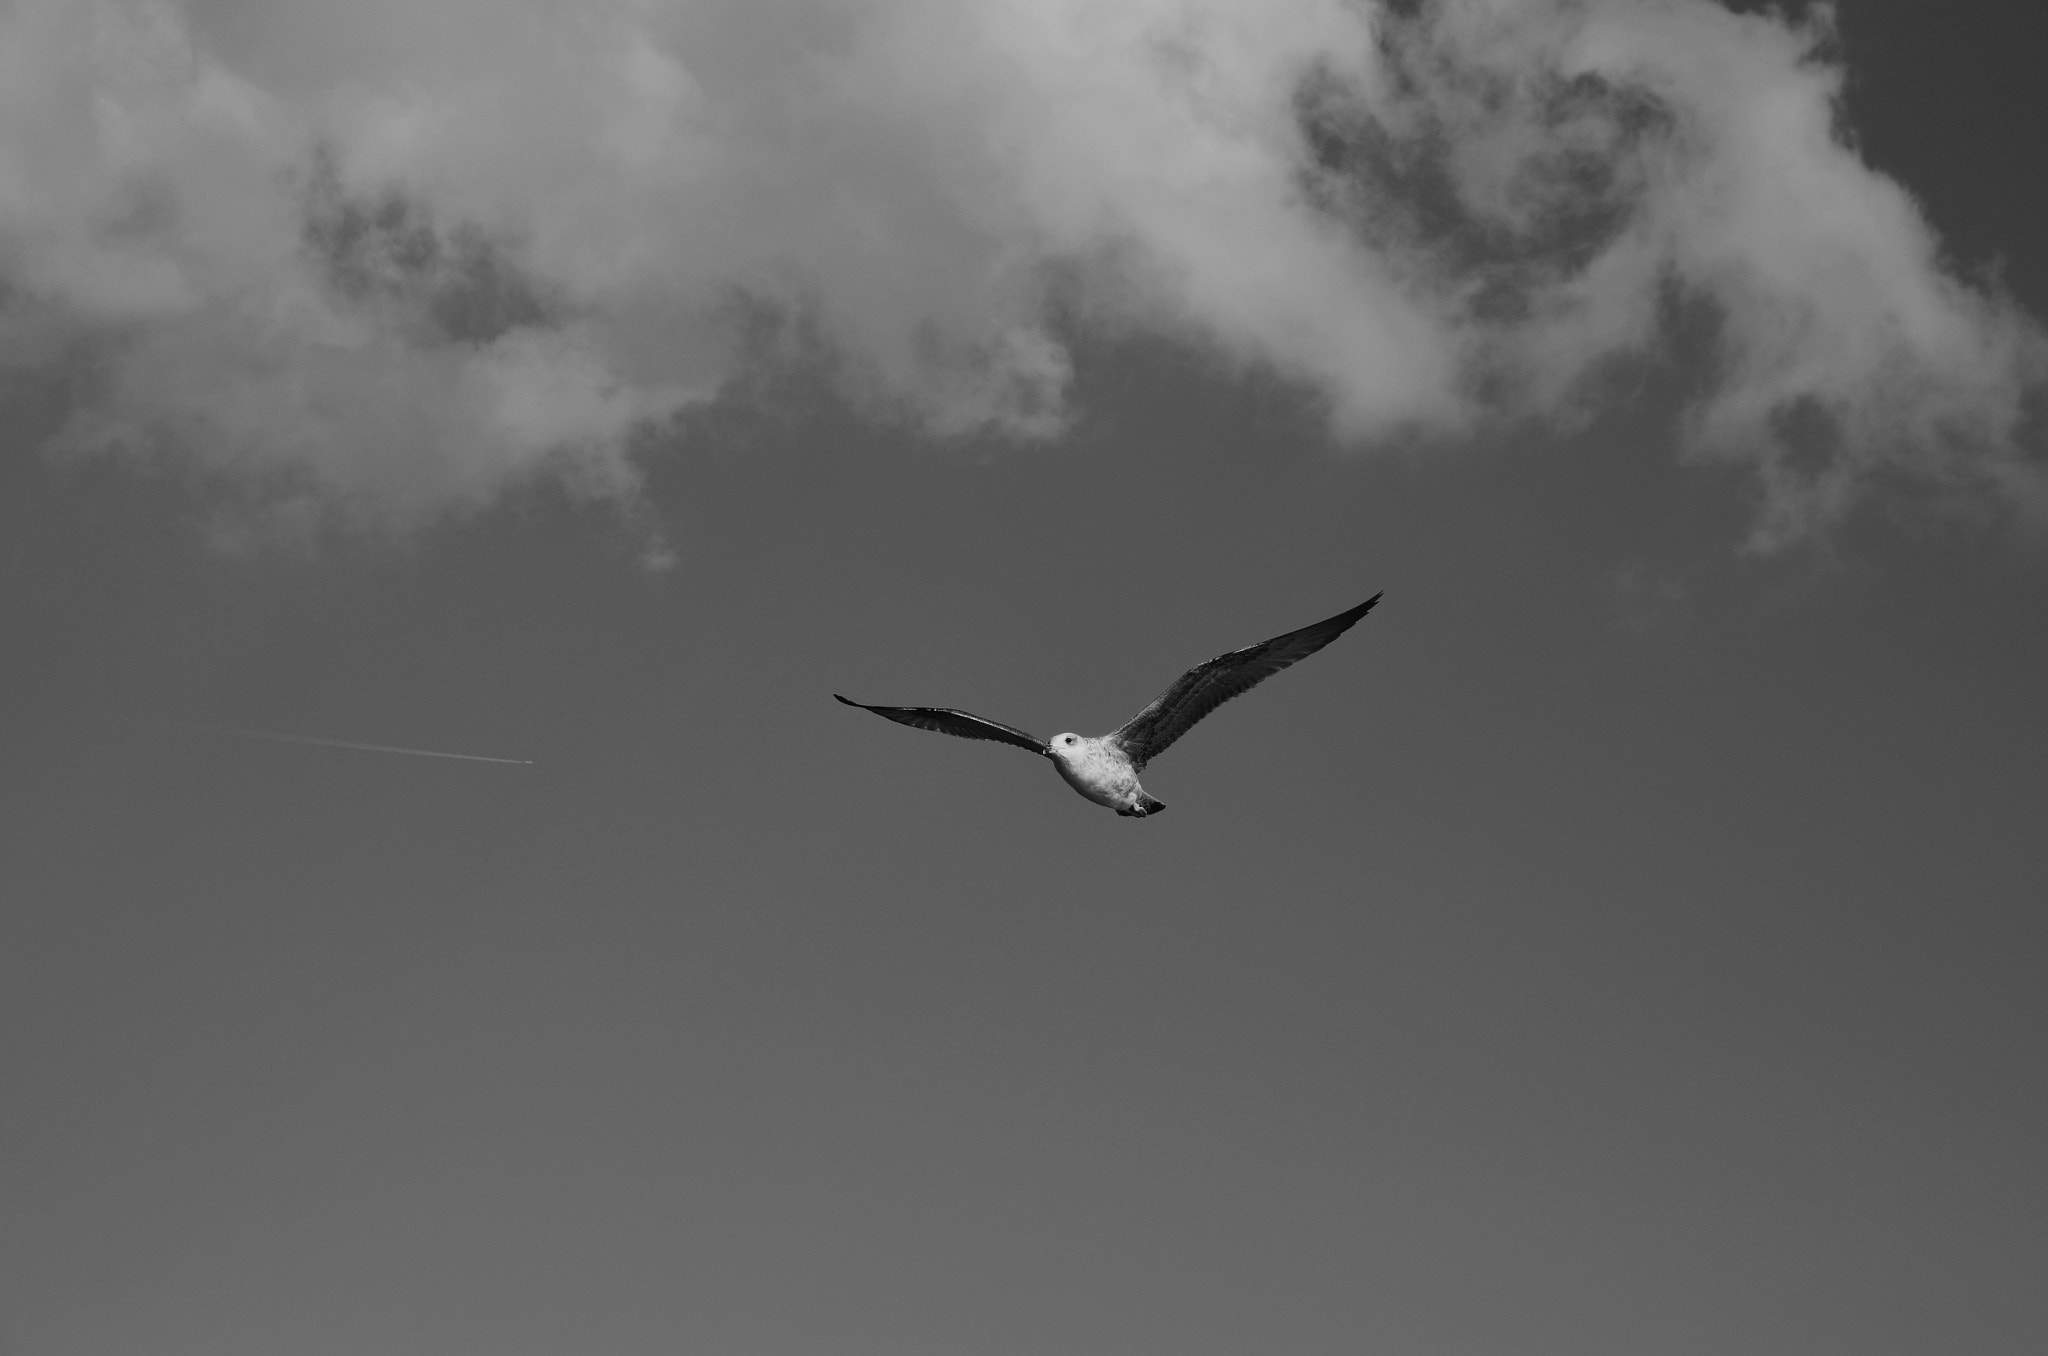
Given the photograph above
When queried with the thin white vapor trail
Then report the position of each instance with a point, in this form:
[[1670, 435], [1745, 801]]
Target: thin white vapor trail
[[280, 737]]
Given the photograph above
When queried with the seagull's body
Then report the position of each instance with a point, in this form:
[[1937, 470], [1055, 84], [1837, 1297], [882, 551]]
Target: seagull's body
[[1104, 773], [1105, 768]]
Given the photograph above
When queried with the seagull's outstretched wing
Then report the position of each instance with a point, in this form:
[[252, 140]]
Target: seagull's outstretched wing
[[948, 721], [1207, 686]]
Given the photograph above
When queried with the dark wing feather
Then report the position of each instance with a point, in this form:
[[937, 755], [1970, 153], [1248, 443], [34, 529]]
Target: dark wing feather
[[948, 721], [1207, 686]]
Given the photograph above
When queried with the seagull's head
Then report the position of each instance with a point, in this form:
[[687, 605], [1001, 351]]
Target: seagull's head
[[1064, 746]]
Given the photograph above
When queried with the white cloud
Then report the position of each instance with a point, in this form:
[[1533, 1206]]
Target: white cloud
[[388, 257]]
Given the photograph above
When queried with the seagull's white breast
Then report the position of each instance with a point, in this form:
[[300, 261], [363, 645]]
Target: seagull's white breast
[[1100, 771]]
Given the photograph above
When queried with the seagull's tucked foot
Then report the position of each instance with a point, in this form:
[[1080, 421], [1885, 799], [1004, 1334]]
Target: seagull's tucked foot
[[1144, 805]]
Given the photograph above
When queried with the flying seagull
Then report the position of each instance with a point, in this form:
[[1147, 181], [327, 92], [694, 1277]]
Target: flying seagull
[[1105, 768]]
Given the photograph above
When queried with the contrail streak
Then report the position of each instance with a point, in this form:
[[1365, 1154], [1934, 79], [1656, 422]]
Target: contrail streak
[[280, 737]]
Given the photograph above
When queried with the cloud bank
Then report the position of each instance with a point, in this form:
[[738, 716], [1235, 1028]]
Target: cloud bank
[[384, 259]]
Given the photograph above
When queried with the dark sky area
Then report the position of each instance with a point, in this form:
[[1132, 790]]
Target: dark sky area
[[1621, 943]]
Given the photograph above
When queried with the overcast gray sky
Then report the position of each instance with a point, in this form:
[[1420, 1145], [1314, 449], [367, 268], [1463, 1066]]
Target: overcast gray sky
[[1627, 941]]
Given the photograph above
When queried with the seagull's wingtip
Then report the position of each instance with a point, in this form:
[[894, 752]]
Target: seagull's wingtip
[[848, 700]]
